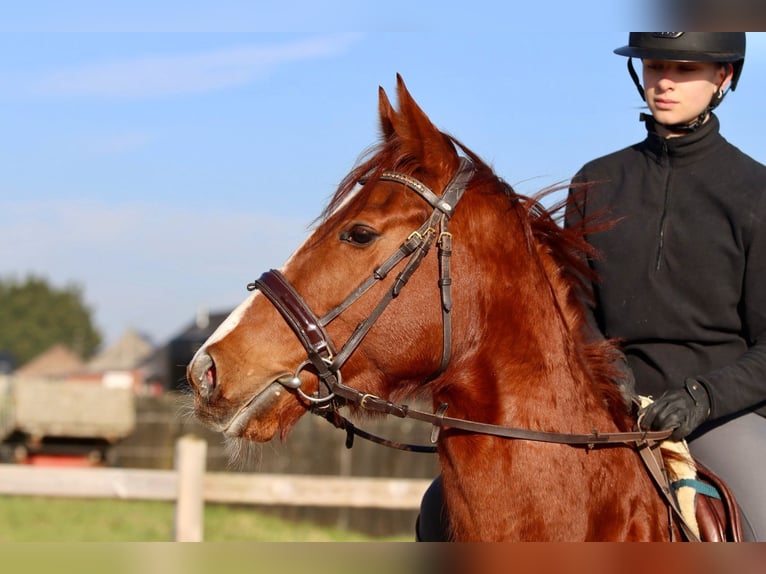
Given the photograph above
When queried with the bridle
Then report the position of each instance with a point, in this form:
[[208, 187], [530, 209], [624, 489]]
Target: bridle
[[327, 361], [322, 353]]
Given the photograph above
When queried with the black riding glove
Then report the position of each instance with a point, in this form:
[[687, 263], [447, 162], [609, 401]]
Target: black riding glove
[[680, 409]]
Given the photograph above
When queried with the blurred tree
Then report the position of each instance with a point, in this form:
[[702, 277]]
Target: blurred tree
[[34, 316]]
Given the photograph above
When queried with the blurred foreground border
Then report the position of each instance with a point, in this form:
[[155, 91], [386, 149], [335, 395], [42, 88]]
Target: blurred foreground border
[[374, 558]]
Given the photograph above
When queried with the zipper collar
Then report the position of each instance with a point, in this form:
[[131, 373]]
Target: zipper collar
[[683, 149]]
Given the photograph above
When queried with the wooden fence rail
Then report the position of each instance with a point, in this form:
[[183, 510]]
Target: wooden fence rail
[[189, 486]]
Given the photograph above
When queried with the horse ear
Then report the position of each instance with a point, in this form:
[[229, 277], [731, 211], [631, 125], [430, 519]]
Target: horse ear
[[421, 136], [416, 118], [387, 114]]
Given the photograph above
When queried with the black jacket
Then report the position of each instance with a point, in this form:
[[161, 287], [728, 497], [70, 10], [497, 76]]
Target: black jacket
[[683, 271]]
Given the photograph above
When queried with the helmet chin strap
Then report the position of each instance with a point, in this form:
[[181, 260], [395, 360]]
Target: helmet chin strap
[[682, 127]]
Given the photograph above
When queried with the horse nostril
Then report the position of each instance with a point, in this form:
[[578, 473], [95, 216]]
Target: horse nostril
[[202, 375], [210, 376]]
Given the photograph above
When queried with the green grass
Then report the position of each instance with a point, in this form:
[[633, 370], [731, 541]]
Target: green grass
[[37, 519]]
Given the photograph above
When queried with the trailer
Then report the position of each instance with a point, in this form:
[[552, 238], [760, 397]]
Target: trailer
[[68, 422]]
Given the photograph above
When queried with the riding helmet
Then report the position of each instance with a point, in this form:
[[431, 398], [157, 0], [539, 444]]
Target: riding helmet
[[689, 47]]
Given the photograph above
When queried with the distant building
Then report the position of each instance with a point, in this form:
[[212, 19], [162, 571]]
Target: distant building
[[165, 368]]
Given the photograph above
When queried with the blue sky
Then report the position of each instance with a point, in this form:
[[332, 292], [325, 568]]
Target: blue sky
[[162, 167]]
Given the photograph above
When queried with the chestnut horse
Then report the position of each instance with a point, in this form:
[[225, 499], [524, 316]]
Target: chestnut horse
[[490, 327]]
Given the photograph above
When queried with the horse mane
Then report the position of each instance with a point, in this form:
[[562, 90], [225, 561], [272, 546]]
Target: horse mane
[[567, 247]]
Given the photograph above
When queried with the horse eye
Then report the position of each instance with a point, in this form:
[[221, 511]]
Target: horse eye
[[359, 235]]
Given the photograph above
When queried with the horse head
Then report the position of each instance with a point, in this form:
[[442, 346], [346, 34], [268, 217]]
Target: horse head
[[245, 375]]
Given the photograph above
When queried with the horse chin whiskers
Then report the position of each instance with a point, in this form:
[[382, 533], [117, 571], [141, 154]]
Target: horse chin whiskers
[[242, 453], [185, 410]]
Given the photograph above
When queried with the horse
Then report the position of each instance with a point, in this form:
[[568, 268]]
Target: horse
[[492, 329]]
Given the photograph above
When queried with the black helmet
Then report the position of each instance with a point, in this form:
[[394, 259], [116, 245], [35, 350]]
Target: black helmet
[[689, 47]]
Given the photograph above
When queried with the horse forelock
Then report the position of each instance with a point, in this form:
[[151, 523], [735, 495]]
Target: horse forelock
[[385, 156], [392, 154]]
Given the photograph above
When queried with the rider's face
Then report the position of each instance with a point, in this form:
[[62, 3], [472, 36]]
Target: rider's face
[[677, 92]]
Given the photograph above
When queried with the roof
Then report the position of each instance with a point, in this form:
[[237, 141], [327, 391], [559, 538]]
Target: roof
[[125, 355], [57, 361]]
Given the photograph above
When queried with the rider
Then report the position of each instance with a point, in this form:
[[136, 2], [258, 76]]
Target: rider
[[683, 272]]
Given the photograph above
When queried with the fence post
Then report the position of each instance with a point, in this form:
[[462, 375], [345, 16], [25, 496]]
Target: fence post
[[191, 453]]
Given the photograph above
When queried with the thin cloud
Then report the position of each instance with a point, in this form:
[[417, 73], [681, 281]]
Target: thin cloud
[[150, 266], [163, 76]]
